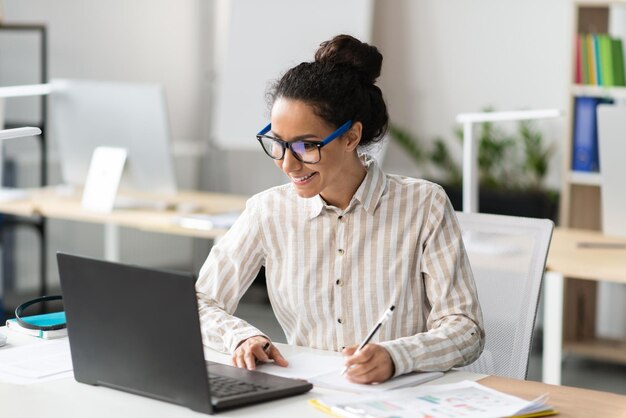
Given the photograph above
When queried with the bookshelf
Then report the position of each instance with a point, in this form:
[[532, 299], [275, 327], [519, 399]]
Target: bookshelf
[[580, 194]]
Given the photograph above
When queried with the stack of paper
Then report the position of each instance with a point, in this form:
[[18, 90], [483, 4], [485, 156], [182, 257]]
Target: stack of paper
[[459, 400], [33, 363]]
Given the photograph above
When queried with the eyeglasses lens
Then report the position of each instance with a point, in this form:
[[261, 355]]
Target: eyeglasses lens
[[273, 148], [307, 152], [304, 151]]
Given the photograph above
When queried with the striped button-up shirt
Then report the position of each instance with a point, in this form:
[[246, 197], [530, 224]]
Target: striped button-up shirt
[[331, 273]]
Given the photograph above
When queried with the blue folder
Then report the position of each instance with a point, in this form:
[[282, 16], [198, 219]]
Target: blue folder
[[585, 142]]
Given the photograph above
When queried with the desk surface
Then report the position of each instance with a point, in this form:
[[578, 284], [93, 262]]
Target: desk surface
[[51, 203], [66, 398], [602, 259]]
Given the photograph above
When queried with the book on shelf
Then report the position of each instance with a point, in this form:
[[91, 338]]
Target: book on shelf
[[578, 72], [596, 59], [599, 60], [617, 56], [584, 58], [591, 59], [465, 399], [585, 141], [40, 320], [605, 60]]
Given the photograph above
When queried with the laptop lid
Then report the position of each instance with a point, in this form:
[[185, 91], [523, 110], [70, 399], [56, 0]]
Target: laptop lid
[[135, 329], [612, 149]]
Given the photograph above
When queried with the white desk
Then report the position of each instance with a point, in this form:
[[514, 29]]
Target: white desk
[[67, 399]]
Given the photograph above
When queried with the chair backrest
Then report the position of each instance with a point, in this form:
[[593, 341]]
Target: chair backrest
[[508, 256]]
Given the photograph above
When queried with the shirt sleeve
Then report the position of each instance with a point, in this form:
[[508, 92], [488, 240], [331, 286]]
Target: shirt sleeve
[[455, 335], [227, 273]]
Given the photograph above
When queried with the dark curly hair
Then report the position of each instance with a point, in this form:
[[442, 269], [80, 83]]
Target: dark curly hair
[[339, 85]]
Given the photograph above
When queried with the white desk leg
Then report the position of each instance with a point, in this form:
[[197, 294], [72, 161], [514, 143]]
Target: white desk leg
[[552, 328], [111, 242]]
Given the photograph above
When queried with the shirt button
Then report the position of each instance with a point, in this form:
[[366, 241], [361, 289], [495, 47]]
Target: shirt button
[[340, 251], [339, 282], [339, 320], [343, 347], [340, 217]]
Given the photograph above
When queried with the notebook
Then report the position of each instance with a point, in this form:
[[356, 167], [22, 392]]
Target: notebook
[[40, 320], [137, 330]]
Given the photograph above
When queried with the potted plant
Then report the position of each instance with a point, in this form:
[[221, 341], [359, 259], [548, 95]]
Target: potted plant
[[511, 167]]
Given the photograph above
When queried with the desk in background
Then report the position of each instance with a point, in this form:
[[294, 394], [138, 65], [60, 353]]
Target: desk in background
[[54, 203], [572, 326], [67, 398], [57, 202]]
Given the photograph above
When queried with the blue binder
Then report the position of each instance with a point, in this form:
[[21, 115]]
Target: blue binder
[[585, 143]]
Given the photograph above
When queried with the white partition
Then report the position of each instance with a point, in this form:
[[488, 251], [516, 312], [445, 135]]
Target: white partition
[[257, 41]]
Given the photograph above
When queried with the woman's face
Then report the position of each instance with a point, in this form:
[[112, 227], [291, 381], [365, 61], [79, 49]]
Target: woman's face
[[294, 119]]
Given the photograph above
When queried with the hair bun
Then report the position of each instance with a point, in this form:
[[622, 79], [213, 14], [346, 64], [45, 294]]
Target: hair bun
[[346, 49]]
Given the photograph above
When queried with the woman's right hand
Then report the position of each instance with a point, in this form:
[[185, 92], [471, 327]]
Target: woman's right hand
[[251, 350]]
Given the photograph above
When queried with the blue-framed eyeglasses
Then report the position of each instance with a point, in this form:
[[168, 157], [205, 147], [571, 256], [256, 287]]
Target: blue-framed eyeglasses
[[308, 152]]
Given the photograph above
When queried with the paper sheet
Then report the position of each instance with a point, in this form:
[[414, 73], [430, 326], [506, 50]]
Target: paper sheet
[[325, 371], [305, 366], [335, 381], [33, 362]]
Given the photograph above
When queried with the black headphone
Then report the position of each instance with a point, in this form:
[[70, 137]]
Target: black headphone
[[24, 324]]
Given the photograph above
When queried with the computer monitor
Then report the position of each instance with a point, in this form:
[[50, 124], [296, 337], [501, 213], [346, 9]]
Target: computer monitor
[[88, 114], [612, 149]]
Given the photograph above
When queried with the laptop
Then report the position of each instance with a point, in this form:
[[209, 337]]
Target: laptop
[[612, 149], [137, 330]]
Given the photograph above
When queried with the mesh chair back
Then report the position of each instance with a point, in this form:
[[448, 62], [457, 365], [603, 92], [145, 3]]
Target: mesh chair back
[[508, 256]]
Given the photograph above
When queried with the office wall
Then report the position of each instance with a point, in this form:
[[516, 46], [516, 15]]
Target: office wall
[[447, 57], [163, 41], [140, 40]]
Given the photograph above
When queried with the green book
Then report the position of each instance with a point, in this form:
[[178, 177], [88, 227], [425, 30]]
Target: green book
[[606, 63], [618, 62]]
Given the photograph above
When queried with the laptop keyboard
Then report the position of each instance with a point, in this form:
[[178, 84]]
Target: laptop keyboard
[[222, 386]]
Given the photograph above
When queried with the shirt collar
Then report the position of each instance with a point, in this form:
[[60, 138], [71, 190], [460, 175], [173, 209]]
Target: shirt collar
[[368, 194]]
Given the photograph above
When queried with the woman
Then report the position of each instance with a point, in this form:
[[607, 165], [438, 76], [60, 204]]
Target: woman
[[343, 241]]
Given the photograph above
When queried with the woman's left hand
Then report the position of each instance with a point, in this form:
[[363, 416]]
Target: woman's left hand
[[372, 364]]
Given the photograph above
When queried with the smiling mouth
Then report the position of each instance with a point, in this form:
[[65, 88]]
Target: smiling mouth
[[303, 179]]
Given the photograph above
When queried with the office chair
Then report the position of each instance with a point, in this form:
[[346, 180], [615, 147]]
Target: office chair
[[508, 256]]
